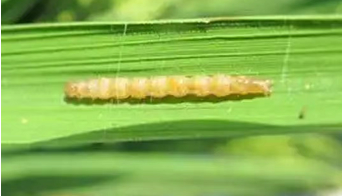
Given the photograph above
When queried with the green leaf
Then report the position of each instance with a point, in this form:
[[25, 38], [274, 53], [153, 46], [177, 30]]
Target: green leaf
[[302, 55]]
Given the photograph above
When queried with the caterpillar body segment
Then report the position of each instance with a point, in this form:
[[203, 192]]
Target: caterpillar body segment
[[161, 86]]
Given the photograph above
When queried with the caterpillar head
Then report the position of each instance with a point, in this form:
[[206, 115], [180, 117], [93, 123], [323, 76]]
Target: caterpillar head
[[71, 90]]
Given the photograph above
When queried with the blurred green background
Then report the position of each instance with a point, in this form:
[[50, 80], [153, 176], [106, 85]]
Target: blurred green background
[[305, 164], [36, 11]]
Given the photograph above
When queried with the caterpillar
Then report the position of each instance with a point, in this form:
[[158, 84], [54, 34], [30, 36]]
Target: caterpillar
[[161, 86]]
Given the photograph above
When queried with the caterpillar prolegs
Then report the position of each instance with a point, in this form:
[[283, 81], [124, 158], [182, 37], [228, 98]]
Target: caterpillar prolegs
[[161, 86]]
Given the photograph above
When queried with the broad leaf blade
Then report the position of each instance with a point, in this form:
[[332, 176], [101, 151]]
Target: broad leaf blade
[[301, 55]]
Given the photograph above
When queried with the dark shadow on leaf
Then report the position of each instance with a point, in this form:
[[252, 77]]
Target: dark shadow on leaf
[[193, 129], [37, 184], [202, 146], [162, 135], [164, 100]]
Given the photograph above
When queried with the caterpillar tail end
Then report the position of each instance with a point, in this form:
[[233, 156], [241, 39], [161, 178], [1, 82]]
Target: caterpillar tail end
[[268, 88]]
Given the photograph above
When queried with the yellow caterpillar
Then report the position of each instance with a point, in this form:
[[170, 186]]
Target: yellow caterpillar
[[161, 86]]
